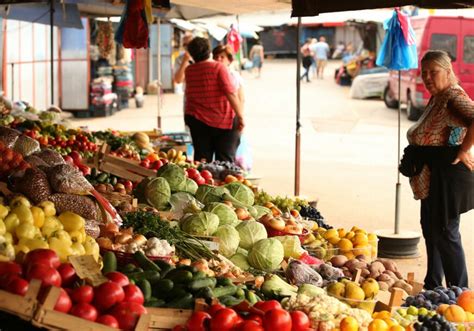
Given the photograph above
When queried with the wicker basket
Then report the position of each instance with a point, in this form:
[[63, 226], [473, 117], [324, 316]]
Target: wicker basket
[[126, 258]]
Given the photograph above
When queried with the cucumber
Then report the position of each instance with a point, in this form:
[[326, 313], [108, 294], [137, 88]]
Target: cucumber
[[196, 285], [164, 285], [165, 270], [200, 275], [224, 290], [152, 276], [187, 268], [113, 180], [110, 262], [251, 297], [240, 293], [145, 286], [162, 264], [145, 262], [94, 173], [184, 302], [223, 281], [229, 301], [180, 276], [102, 177], [155, 302], [128, 268], [205, 293]]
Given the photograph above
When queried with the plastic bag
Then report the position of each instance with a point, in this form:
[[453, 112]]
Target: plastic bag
[[299, 273], [243, 157]]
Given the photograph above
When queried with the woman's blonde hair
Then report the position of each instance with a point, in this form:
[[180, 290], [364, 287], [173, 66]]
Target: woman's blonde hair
[[442, 59]]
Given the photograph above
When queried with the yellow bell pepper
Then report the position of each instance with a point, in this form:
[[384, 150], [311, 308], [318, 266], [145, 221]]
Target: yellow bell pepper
[[21, 248], [19, 200], [71, 221], [51, 225], [24, 214], [92, 248], [78, 236], [4, 210], [33, 244], [25, 230], [7, 250], [48, 208], [8, 237], [38, 216], [63, 236], [61, 247], [11, 222], [78, 249], [3, 228]]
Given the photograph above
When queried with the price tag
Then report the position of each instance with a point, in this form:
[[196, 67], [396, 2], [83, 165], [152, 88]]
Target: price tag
[[88, 269]]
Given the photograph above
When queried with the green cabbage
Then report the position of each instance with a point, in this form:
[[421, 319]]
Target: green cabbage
[[175, 175], [250, 232], [207, 193], [225, 213], [200, 224], [261, 210], [190, 186], [228, 240], [157, 193], [266, 254], [241, 192], [183, 203], [240, 260], [291, 246]]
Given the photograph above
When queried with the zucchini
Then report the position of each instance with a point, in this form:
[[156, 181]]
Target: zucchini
[[251, 297], [184, 302], [155, 302], [223, 281], [205, 293], [165, 270], [145, 286], [162, 264], [196, 285], [145, 262], [128, 268], [180, 276], [187, 268], [113, 180], [164, 285], [102, 177], [240, 293], [230, 301], [152, 276], [224, 290], [200, 275], [110, 262]]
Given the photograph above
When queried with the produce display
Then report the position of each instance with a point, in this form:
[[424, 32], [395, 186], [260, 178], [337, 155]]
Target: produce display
[[198, 242]]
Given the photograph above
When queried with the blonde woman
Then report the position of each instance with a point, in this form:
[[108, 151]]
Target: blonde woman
[[440, 163]]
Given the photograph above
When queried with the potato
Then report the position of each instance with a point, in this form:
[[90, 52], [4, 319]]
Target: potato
[[365, 273], [404, 286], [354, 264], [361, 257], [383, 286], [391, 274], [389, 264], [338, 261], [383, 277], [376, 269]]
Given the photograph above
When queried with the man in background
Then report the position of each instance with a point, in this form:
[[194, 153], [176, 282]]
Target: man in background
[[321, 53]]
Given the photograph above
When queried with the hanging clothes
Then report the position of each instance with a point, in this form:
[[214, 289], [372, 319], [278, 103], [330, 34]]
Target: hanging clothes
[[105, 39], [234, 39], [133, 29]]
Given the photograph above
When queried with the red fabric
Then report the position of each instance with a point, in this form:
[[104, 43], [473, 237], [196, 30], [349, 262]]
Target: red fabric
[[135, 34], [406, 28], [234, 39], [207, 84]]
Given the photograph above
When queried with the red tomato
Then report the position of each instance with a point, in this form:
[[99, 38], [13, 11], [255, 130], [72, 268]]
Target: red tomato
[[76, 157], [47, 275], [47, 257], [200, 180], [206, 174], [18, 286], [255, 318], [224, 320], [10, 268], [198, 321], [165, 161], [68, 274], [118, 277], [277, 319], [128, 185], [85, 311], [145, 163], [251, 326], [157, 164], [68, 159], [215, 308], [85, 169], [108, 294], [127, 314], [193, 173], [83, 294], [267, 305], [299, 321], [108, 320], [179, 328], [64, 302], [133, 294]]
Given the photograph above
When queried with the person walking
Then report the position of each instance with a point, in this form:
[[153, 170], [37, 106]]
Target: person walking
[[321, 53], [440, 164], [213, 109], [257, 55], [307, 59]]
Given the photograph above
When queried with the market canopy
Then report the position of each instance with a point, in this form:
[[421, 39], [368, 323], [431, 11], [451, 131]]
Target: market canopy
[[315, 7], [236, 6]]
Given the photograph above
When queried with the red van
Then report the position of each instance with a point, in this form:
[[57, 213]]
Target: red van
[[454, 35]]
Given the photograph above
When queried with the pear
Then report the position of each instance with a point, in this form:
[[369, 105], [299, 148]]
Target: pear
[[370, 287], [336, 289], [354, 292]]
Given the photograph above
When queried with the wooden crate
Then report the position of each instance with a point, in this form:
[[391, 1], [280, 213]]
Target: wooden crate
[[162, 319], [124, 168], [23, 307], [47, 317]]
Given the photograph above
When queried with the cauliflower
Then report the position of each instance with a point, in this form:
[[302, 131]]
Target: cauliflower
[[158, 247]]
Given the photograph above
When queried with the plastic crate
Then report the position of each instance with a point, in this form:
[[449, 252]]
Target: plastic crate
[[82, 114]]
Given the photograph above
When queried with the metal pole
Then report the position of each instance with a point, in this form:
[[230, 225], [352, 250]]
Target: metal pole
[[13, 82], [398, 185], [158, 69], [240, 45], [298, 99], [51, 27]]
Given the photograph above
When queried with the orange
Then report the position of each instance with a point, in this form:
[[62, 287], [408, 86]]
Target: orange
[[349, 323], [360, 239], [455, 313], [382, 315], [378, 325], [397, 328], [390, 322], [334, 240], [442, 308], [466, 301], [341, 232], [349, 235], [344, 245]]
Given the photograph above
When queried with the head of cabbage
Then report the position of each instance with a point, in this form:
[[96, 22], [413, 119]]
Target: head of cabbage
[[157, 193], [291, 246], [240, 260], [228, 240], [261, 210], [175, 175], [241, 192], [200, 224], [250, 232], [266, 254], [190, 186], [225, 213], [208, 193]]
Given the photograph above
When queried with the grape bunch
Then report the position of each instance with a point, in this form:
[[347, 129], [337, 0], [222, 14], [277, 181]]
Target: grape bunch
[[314, 214], [262, 197], [437, 322], [431, 299], [220, 169]]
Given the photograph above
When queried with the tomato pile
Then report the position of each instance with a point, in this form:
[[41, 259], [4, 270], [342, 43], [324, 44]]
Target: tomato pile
[[116, 303], [10, 160], [263, 316]]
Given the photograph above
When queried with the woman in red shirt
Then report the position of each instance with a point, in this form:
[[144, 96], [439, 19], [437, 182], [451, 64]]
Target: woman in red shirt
[[213, 111]]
